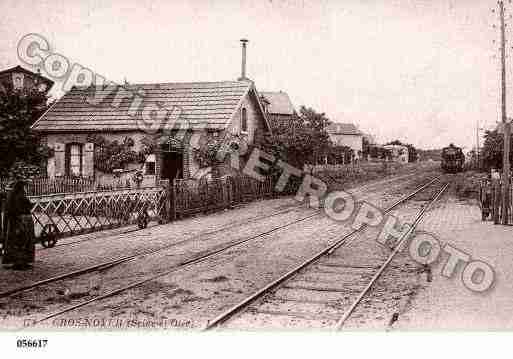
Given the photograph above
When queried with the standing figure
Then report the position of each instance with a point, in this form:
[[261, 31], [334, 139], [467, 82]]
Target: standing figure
[[19, 251]]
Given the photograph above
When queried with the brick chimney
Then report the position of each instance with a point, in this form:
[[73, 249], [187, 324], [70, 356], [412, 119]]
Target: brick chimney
[[243, 64]]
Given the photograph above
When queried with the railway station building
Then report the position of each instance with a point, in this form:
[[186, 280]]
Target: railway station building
[[168, 126], [203, 110]]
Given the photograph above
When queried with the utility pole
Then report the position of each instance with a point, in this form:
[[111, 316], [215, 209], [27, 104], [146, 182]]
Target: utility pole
[[507, 132], [477, 145]]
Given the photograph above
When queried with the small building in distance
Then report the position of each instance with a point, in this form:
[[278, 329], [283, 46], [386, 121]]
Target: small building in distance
[[278, 107], [399, 153], [346, 134], [372, 150], [19, 79]]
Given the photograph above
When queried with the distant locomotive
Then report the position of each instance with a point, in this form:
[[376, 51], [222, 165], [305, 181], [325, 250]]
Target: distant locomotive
[[452, 159]]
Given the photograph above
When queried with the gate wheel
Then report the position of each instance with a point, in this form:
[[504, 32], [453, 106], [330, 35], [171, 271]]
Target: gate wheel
[[49, 235], [142, 220]]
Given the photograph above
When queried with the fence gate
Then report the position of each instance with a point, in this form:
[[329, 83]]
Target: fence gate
[[67, 214], [84, 212]]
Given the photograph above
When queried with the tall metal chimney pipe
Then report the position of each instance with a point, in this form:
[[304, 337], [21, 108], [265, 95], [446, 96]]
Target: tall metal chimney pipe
[[243, 65]]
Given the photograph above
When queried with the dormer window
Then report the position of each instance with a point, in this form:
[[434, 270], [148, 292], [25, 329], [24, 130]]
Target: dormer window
[[244, 121]]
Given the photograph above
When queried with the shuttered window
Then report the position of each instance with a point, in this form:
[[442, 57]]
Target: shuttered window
[[74, 159]]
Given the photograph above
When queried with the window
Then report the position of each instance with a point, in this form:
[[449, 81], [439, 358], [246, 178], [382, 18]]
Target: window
[[150, 169], [244, 121], [74, 159], [149, 166]]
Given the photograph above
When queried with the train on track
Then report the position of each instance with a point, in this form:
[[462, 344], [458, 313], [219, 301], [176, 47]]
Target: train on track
[[453, 159]]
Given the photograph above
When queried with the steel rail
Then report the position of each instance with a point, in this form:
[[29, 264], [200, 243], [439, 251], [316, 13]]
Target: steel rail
[[398, 248], [126, 231], [188, 262], [109, 264], [116, 262], [236, 308], [176, 267], [391, 207]]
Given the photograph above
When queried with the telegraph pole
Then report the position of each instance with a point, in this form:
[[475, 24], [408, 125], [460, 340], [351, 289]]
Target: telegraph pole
[[507, 132], [477, 145]]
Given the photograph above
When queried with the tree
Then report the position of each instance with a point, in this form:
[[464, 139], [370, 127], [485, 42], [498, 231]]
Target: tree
[[300, 141], [20, 147], [492, 150], [315, 124]]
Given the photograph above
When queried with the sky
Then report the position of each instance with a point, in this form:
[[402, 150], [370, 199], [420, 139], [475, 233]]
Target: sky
[[423, 72]]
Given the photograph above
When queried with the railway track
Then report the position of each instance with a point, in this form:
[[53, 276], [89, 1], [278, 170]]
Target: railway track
[[323, 291], [104, 265], [359, 190], [179, 265]]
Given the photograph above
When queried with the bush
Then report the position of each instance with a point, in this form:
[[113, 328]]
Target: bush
[[22, 170]]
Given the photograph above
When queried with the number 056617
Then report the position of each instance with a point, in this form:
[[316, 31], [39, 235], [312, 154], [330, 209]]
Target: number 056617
[[31, 343]]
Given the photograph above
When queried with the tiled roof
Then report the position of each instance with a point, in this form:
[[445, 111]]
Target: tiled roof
[[199, 104], [343, 129], [279, 103]]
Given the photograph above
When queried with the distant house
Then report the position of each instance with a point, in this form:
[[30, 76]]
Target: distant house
[[372, 150], [213, 108], [399, 152], [278, 107], [18, 78], [346, 134]]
